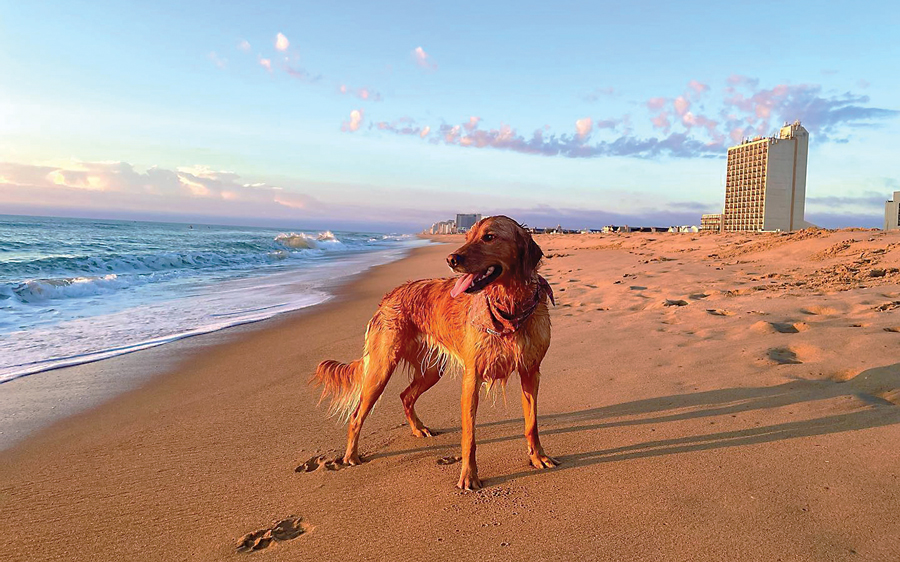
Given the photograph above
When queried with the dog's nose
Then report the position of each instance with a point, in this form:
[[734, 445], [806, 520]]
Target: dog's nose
[[455, 260]]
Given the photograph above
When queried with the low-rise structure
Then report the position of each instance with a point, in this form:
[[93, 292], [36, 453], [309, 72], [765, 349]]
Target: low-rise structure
[[892, 213], [711, 222]]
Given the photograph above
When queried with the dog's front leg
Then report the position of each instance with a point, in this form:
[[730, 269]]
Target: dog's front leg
[[471, 384], [530, 383]]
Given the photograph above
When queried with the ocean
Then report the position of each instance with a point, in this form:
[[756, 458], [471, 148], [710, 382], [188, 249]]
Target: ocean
[[80, 290]]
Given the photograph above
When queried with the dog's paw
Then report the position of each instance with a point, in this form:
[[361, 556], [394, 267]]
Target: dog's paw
[[422, 432], [352, 460], [468, 480], [543, 461]]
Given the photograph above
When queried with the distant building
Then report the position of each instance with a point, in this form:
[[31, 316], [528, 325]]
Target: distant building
[[443, 227], [765, 187], [892, 213], [465, 222], [711, 222]]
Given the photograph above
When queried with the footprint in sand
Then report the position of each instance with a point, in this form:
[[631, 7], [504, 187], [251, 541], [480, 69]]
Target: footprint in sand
[[779, 327], [284, 530], [719, 312], [449, 460], [320, 461], [892, 329], [792, 355], [820, 311], [783, 356], [674, 302]]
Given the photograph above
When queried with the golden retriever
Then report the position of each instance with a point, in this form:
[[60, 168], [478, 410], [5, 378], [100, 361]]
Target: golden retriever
[[490, 321]]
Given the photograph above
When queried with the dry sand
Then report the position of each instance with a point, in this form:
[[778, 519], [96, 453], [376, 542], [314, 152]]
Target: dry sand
[[711, 397]]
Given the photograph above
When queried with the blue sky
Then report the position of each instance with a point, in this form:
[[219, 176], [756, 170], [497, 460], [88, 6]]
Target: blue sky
[[394, 115]]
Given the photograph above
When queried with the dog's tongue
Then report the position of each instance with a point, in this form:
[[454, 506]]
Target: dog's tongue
[[462, 284]]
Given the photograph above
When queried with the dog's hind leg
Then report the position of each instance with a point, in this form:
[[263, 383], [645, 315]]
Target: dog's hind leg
[[382, 354], [421, 382]]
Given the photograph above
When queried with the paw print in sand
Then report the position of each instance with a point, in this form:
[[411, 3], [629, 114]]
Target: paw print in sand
[[284, 530]]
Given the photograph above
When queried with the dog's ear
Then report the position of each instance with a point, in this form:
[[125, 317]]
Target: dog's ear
[[530, 255]]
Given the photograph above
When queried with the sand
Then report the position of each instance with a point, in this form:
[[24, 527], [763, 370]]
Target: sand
[[711, 397]]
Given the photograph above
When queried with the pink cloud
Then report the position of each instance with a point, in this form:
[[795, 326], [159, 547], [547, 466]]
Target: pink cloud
[[682, 105], [423, 59], [655, 104], [356, 117], [281, 42], [743, 81], [365, 94], [244, 45], [661, 121], [265, 63], [472, 123], [698, 87], [583, 127]]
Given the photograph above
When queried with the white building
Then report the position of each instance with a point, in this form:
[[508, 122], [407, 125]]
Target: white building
[[892, 213], [765, 187]]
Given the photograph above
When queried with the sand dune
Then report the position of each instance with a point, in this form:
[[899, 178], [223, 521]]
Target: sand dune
[[711, 397]]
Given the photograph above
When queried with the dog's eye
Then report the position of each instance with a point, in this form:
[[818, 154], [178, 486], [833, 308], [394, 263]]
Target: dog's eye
[[487, 237]]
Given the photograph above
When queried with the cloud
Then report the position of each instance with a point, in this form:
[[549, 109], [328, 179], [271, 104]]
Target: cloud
[[365, 94], [302, 74], [583, 127], [423, 59], [281, 42], [402, 126], [217, 60], [743, 81], [356, 117], [472, 124], [698, 87], [244, 45], [819, 114], [655, 104], [265, 63], [121, 183], [682, 105]]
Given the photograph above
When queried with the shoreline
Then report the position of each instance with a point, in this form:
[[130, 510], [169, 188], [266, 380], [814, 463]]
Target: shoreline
[[35, 401]]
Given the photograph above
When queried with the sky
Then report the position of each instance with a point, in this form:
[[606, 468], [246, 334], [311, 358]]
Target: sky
[[393, 115]]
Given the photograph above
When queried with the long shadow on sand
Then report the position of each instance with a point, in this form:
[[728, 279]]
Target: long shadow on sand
[[870, 386]]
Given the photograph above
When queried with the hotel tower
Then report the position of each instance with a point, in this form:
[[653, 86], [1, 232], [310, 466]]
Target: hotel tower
[[765, 188]]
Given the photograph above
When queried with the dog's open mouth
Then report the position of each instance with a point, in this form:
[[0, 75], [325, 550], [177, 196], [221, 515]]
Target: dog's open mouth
[[472, 282]]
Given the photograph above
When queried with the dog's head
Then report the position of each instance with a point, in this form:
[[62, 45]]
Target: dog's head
[[497, 250]]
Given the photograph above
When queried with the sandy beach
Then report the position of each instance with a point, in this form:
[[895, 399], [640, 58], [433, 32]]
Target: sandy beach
[[710, 397]]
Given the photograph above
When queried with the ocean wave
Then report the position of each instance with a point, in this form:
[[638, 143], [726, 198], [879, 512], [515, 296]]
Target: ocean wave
[[303, 241], [40, 290], [231, 255]]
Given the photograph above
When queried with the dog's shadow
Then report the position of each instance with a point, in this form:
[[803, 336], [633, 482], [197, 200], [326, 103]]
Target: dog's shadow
[[870, 386]]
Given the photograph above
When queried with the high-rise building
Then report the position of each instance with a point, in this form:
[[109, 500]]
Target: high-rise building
[[892, 213], [765, 187], [465, 222]]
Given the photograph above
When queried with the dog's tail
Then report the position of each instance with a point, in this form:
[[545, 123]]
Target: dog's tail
[[343, 383]]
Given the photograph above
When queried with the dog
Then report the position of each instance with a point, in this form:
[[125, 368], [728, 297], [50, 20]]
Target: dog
[[489, 322]]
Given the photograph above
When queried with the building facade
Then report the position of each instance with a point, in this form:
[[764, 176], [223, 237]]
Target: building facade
[[443, 227], [892, 213], [711, 222], [765, 186], [466, 221]]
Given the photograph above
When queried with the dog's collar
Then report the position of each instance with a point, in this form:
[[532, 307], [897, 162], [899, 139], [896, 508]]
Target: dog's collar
[[501, 323]]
